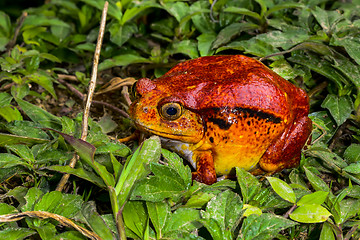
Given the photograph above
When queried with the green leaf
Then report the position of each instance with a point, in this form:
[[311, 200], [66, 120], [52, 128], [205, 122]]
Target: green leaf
[[214, 228], [22, 151], [67, 205], [120, 34], [349, 208], [339, 107], [16, 233], [282, 189], [253, 46], [96, 222], [79, 172], [136, 217], [353, 168], [263, 227], [351, 45], [282, 6], [44, 80], [104, 174], [226, 209], [32, 196], [10, 113], [229, 32], [122, 60], [326, 19], [200, 17], [326, 232], [317, 183], [176, 163], [317, 198], [6, 209], [310, 213], [285, 39], [26, 129], [347, 68], [183, 219], [42, 20], [8, 160], [321, 66], [135, 10], [153, 189], [5, 98], [158, 213], [251, 210], [205, 42], [186, 47], [8, 139], [243, 11], [249, 184], [37, 114], [328, 157], [5, 25], [137, 167], [115, 148], [114, 10]]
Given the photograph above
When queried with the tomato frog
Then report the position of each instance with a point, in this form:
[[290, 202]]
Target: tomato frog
[[221, 112]]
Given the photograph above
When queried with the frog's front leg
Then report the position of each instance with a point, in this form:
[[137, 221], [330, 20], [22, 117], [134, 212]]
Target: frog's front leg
[[205, 169], [284, 152]]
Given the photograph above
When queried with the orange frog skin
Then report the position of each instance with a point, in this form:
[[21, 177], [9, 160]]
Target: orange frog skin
[[221, 112]]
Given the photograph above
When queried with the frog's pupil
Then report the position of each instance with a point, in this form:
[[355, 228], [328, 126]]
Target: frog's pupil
[[171, 111]]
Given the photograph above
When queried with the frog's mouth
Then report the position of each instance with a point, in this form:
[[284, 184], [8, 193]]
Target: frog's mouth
[[187, 138]]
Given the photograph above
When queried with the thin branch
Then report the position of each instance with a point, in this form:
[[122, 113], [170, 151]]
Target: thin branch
[[68, 77], [78, 94], [94, 73], [125, 93], [73, 161], [45, 215]]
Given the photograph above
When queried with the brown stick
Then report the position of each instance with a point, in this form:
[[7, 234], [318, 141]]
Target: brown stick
[[73, 161]]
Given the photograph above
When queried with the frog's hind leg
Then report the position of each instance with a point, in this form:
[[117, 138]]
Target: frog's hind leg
[[285, 151]]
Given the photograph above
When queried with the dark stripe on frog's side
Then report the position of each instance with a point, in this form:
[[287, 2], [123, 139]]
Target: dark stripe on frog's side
[[225, 123]]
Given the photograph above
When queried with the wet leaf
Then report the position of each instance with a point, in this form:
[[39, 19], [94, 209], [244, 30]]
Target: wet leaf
[[326, 232], [282, 188], [313, 198], [226, 209], [136, 217], [10, 113], [310, 213], [263, 227], [39, 115], [137, 166], [158, 213], [176, 163], [339, 107], [317, 183], [183, 219], [16, 233], [79, 172], [249, 184], [96, 222]]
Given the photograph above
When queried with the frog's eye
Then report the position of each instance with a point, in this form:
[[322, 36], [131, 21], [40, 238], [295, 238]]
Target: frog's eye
[[171, 111]]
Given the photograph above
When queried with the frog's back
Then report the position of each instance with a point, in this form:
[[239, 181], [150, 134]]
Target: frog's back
[[229, 81]]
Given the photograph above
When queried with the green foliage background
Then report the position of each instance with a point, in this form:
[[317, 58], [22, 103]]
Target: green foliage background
[[312, 43]]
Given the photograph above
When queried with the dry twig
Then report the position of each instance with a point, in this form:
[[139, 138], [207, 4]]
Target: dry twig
[[44, 215], [73, 161]]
